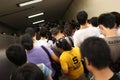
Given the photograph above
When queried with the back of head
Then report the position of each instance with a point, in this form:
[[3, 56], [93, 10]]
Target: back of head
[[107, 20], [16, 54], [82, 17], [94, 21], [26, 41], [28, 71], [117, 17], [63, 44], [97, 52], [30, 31], [43, 32]]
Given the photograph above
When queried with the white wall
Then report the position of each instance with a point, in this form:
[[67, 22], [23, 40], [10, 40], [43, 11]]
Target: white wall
[[92, 7]]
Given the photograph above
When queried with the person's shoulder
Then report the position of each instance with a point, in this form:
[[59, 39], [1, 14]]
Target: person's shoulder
[[76, 32]]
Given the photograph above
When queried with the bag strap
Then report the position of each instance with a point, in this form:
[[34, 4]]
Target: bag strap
[[47, 52]]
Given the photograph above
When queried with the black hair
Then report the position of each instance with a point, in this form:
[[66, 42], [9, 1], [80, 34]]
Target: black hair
[[26, 41], [43, 32], [37, 31], [97, 51], [31, 31], [82, 17], [117, 16], [28, 71], [107, 20], [94, 21], [63, 44], [16, 54]]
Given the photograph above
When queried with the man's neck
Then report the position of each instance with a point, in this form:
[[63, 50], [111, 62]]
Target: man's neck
[[83, 26], [111, 33], [42, 38], [103, 74]]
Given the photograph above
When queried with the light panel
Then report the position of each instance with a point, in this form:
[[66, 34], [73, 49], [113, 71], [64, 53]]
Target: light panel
[[29, 3], [38, 22], [35, 15]]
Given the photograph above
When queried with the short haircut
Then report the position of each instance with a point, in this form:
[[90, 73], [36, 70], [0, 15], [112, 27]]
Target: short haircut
[[94, 21], [26, 41], [16, 54], [28, 71], [43, 32], [63, 44], [30, 31], [82, 17], [107, 20], [97, 51], [55, 31], [117, 17]]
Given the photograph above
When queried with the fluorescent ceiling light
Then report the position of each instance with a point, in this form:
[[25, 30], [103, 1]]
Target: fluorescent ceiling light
[[29, 2], [38, 21], [39, 14]]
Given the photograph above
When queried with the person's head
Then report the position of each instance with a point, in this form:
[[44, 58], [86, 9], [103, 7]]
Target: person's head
[[96, 53], [94, 21], [30, 31], [16, 54], [63, 44], [28, 71], [26, 41], [117, 17], [56, 33], [107, 20], [67, 31], [82, 17], [43, 32]]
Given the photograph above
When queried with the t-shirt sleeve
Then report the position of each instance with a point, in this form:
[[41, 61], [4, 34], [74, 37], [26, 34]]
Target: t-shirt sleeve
[[46, 71]]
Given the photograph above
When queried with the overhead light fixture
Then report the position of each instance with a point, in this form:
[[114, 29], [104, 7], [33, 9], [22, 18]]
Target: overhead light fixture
[[35, 15], [29, 3], [38, 22]]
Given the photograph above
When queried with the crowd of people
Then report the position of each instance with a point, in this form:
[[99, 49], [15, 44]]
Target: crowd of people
[[87, 50]]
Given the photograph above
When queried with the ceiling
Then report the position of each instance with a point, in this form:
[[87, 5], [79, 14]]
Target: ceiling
[[16, 17]]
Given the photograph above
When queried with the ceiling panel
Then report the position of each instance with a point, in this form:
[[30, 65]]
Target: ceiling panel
[[16, 17]]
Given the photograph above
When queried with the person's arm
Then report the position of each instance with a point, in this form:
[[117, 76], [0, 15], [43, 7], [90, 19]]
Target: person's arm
[[54, 57]]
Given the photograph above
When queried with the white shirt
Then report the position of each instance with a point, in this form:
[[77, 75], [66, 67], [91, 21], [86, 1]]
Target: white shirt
[[38, 43], [80, 35]]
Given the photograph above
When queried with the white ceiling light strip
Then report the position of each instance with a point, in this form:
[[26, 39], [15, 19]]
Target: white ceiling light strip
[[39, 14], [29, 3], [38, 22]]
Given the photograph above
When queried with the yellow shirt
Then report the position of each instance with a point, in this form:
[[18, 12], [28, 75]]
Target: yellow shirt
[[71, 61]]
